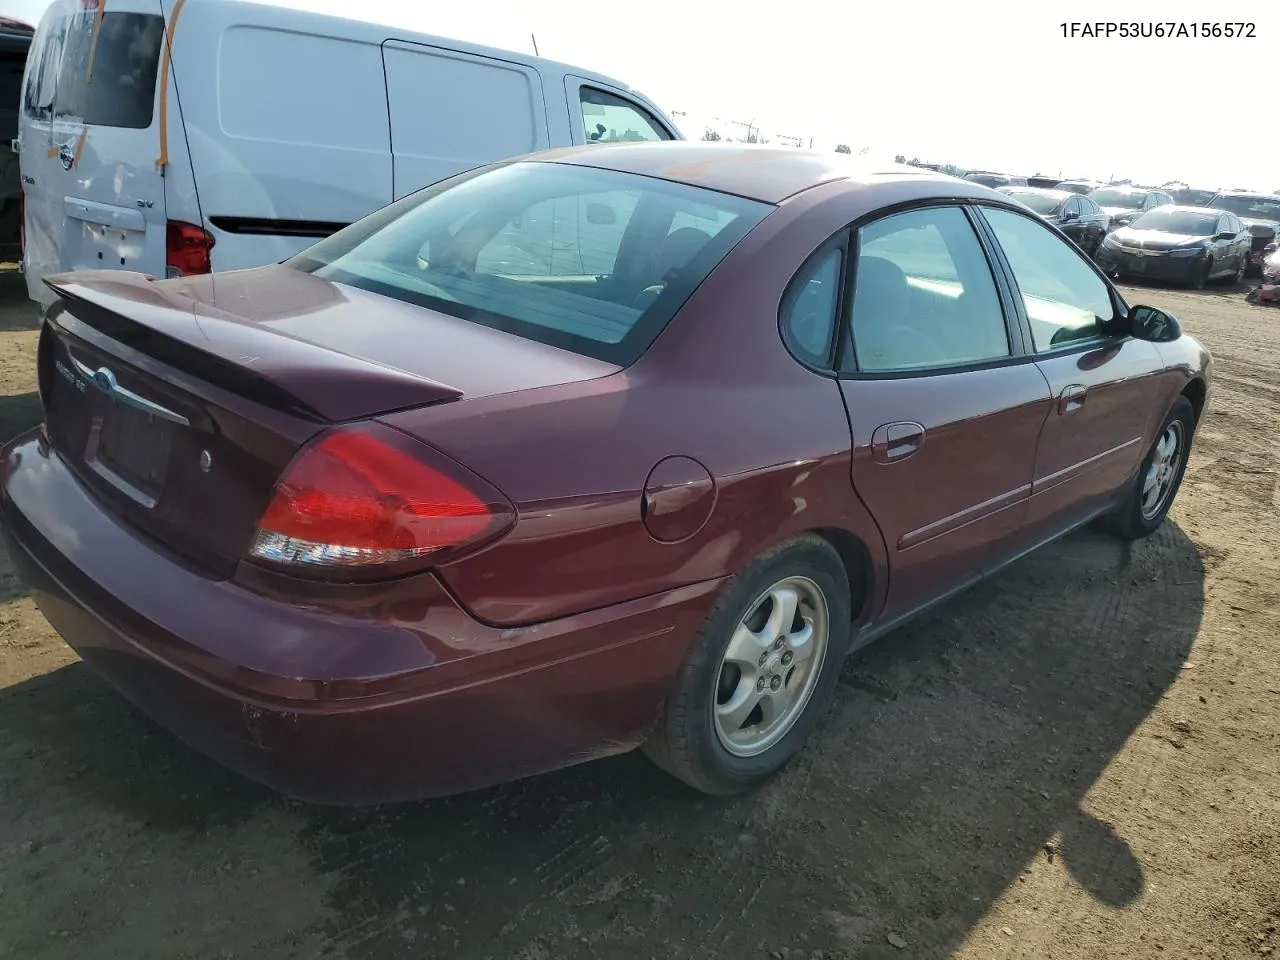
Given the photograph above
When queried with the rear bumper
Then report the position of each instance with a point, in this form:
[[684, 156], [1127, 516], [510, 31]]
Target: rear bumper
[[401, 697]]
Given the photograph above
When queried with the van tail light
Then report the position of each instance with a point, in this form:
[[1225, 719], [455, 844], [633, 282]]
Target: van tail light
[[371, 499], [187, 249], [22, 224]]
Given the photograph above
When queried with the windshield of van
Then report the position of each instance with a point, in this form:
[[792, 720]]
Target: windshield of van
[[109, 83], [589, 260]]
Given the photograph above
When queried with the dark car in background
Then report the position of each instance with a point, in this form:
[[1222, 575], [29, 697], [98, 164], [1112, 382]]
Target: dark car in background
[[1190, 245], [1193, 196], [1124, 204], [15, 41], [1081, 187], [1078, 217], [1260, 212], [994, 180]]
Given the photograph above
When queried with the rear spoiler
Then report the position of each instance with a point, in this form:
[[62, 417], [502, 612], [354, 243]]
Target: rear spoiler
[[237, 354]]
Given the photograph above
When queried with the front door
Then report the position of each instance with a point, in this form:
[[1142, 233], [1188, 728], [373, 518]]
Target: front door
[[600, 114], [1094, 437], [94, 196], [943, 408]]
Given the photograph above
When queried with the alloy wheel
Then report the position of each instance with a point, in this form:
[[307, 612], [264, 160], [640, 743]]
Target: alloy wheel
[[771, 666], [1161, 475]]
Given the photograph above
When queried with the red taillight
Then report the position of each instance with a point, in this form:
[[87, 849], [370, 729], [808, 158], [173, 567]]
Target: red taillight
[[187, 249], [370, 498], [22, 222]]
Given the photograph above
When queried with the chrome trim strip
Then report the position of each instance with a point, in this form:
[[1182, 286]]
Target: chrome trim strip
[[105, 380]]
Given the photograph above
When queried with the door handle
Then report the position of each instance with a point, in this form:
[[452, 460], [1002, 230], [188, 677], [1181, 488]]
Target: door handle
[[896, 441], [1072, 398]]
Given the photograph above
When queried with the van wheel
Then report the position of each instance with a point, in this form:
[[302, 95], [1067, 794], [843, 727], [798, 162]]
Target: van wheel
[[761, 672], [1151, 493]]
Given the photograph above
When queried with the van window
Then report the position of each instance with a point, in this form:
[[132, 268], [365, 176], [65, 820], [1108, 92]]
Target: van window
[[575, 257], [121, 90], [610, 119]]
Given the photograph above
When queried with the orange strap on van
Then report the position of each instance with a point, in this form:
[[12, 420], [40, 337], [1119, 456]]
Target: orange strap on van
[[162, 161], [93, 43]]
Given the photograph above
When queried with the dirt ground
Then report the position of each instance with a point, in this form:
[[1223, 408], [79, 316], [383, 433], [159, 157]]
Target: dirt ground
[[1079, 759]]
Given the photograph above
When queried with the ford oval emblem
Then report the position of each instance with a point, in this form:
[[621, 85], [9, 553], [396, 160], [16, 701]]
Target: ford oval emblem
[[104, 379]]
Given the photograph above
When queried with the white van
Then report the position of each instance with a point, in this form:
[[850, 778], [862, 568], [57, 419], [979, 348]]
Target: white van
[[182, 136]]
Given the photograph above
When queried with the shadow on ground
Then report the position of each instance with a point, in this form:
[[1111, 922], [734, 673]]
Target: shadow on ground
[[958, 748]]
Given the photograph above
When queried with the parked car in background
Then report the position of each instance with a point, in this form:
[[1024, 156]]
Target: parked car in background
[[1260, 212], [1078, 217], [1081, 187], [1271, 263], [464, 493], [15, 40], [1044, 183], [1190, 245], [993, 180], [1193, 196], [1123, 204], [266, 128]]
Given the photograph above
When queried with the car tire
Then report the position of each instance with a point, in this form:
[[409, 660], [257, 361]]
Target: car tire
[[1136, 517], [1201, 277], [695, 739], [1241, 270]]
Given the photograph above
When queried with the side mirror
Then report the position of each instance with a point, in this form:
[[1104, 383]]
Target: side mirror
[[600, 213], [1069, 215], [1153, 324]]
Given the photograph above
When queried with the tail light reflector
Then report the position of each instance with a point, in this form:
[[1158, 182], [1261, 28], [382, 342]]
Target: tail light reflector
[[22, 223], [372, 499], [187, 249]]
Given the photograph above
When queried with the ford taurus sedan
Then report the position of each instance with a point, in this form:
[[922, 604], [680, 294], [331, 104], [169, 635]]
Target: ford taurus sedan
[[1190, 245], [617, 446]]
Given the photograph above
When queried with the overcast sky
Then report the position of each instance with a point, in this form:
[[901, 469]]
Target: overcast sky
[[992, 85]]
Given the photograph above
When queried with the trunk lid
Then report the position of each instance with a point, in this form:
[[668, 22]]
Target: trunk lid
[[90, 139], [180, 403]]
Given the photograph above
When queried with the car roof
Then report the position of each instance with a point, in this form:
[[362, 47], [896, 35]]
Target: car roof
[[1188, 208], [768, 174], [1015, 188], [1254, 195]]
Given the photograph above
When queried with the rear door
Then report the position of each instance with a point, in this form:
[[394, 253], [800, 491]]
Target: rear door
[[494, 109], [599, 113], [94, 195], [943, 405]]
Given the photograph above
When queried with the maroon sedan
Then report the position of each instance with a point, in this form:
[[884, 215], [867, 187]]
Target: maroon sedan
[[605, 447]]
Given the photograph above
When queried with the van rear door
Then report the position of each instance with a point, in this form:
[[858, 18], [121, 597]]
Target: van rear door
[[89, 141]]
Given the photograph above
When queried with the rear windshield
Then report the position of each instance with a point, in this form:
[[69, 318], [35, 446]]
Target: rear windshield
[[1039, 202], [1127, 199], [988, 179], [1187, 222], [110, 82], [589, 260], [1253, 208], [1191, 197]]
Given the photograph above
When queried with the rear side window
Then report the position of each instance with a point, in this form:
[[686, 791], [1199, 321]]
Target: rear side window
[[110, 82], [811, 307], [610, 119], [589, 260]]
